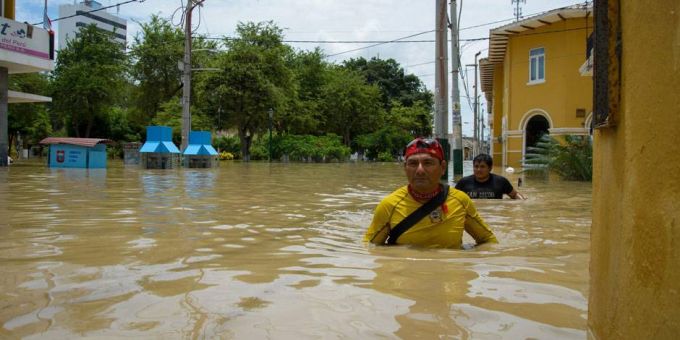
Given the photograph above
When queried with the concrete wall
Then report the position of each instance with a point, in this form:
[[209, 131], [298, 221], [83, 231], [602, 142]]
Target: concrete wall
[[635, 241]]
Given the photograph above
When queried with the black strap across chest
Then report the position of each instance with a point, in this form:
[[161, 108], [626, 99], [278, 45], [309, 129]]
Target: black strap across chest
[[418, 215]]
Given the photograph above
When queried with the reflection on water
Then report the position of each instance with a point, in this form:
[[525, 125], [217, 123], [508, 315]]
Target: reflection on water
[[275, 251]]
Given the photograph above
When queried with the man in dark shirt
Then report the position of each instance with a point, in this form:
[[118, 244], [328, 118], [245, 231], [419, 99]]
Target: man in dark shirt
[[484, 184]]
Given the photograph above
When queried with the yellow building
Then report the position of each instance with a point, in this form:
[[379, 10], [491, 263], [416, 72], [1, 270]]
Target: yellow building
[[635, 237], [533, 83]]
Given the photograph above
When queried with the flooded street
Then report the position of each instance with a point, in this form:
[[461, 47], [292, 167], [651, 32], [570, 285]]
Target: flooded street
[[256, 251]]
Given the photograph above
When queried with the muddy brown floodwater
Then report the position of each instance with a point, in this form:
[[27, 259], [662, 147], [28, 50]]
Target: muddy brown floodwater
[[256, 251]]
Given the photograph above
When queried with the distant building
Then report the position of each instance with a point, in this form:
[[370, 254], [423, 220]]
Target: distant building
[[85, 13], [535, 81]]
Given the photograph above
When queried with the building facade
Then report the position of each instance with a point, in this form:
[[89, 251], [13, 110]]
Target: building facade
[[85, 13], [532, 81]]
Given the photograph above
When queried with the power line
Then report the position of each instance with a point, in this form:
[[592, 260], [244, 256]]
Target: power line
[[420, 64], [356, 41], [350, 41], [430, 31], [380, 42], [365, 47], [91, 11]]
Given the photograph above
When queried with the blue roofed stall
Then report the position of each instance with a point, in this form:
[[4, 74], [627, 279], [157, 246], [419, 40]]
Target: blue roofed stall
[[159, 152], [83, 153], [199, 152]]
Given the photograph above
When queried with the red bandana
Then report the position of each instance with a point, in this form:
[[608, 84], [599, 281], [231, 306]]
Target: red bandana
[[421, 145], [423, 197]]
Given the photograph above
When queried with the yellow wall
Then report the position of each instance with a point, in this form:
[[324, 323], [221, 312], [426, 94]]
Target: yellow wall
[[9, 9], [635, 240], [563, 91]]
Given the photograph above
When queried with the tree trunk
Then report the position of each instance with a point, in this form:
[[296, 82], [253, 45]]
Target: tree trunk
[[89, 127], [75, 127], [346, 137], [245, 139], [10, 141]]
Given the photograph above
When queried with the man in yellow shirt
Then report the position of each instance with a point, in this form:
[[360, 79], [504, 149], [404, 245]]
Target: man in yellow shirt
[[443, 212]]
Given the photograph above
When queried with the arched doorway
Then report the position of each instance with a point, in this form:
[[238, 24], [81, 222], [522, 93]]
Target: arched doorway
[[536, 127], [588, 124]]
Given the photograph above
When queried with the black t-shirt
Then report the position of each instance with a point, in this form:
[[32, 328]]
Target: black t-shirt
[[494, 187]]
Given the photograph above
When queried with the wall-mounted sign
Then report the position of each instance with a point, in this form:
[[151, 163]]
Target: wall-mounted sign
[[24, 38]]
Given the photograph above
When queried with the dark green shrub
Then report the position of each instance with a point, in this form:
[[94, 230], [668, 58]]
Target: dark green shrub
[[385, 156], [388, 139], [302, 148], [571, 159], [230, 144]]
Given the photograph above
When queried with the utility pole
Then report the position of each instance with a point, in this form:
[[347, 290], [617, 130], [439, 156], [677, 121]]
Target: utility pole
[[475, 137], [517, 9], [271, 119], [186, 74], [481, 138], [441, 126], [456, 121]]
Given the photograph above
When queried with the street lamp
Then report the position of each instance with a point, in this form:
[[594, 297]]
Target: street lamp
[[271, 117]]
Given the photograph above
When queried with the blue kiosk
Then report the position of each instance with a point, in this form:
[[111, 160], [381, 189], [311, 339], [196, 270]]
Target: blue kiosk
[[199, 152], [83, 153], [158, 152]]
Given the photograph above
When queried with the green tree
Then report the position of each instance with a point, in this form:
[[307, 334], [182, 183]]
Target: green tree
[[155, 51], [89, 80], [403, 124], [120, 128], [394, 84], [255, 78], [415, 119], [170, 114], [31, 121], [351, 106], [310, 75]]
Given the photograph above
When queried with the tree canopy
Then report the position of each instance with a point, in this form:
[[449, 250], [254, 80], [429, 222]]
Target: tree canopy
[[371, 106], [88, 81]]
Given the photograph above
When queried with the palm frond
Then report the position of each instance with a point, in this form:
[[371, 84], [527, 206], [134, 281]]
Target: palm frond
[[571, 159]]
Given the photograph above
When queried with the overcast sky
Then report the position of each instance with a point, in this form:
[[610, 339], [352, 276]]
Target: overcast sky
[[333, 20]]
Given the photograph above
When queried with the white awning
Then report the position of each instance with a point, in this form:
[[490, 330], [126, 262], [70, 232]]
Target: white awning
[[14, 97]]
